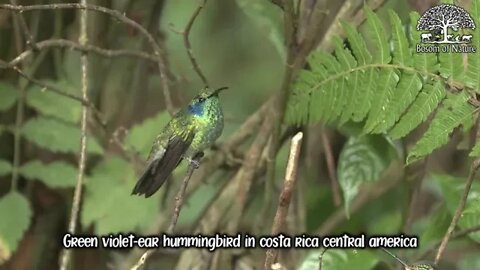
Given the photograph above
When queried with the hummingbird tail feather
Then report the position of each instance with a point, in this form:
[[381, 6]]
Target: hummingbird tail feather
[[160, 168]]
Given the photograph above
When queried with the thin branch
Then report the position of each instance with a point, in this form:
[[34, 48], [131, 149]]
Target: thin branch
[[23, 25], [97, 114], [320, 258], [77, 196], [179, 199], [64, 43], [285, 196], [186, 41], [389, 179], [17, 136], [458, 213], [455, 235], [337, 197], [120, 17], [247, 172]]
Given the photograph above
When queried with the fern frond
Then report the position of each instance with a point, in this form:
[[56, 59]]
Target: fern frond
[[388, 86], [455, 111], [424, 104], [473, 67]]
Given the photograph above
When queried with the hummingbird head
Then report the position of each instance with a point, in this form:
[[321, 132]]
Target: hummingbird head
[[207, 98]]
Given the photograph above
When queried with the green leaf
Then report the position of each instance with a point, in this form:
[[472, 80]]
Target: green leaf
[[425, 62], [385, 87], [438, 224], [53, 104], [141, 136], [359, 47], [108, 204], [337, 259], [403, 95], [361, 160], [452, 190], [424, 104], [269, 19], [473, 71], [453, 113], [57, 174], [475, 150], [5, 167], [15, 213], [8, 96], [57, 136], [401, 50], [379, 37]]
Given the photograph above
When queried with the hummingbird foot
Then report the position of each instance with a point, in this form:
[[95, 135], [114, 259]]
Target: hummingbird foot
[[195, 161]]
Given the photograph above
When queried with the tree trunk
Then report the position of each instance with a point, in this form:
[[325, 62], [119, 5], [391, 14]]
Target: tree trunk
[[445, 33]]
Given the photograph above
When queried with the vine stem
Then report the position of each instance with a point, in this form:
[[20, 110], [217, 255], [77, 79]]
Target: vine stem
[[83, 38], [458, 213]]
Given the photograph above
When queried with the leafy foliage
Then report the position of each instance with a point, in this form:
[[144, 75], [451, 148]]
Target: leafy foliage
[[5, 167], [8, 96], [57, 136], [16, 213], [386, 87], [58, 174], [452, 190], [362, 160], [141, 136], [336, 259], [52, 104], [108, 204]]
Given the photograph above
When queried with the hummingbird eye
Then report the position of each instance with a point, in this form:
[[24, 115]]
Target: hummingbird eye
[[201, 99]]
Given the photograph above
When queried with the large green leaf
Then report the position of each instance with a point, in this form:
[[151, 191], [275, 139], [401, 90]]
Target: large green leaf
[[141, 136], [452, 190], [108, 204], [362, 160], [53, 104], [268, 18], [15, 215], [336, 259], [57, 174], [5, 167], [57, 136], [8, 96]]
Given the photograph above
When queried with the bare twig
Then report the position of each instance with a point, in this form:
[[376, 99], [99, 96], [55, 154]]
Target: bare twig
[[405, 265], [179, 199], [247, 172], [390, 178], [285, 196], [455, 235], [63, 43], [320, 258], [19, 114], [458, 213], [186, 41], [23, 25], [337, 198], [120, 17], [77, 196], [97, 114]]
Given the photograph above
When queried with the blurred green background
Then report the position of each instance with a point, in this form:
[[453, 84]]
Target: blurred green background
[[239, 44]]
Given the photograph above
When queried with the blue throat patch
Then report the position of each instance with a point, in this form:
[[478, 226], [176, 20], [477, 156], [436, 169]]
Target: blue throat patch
[[196, 109]]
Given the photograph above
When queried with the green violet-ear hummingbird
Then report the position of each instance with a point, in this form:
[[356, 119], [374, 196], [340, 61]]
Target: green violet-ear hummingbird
[[192, 130]]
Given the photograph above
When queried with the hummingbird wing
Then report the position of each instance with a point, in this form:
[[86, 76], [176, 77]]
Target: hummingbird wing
[[161, 165]]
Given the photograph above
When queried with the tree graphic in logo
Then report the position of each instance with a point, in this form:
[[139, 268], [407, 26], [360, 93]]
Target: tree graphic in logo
[[439, 19]]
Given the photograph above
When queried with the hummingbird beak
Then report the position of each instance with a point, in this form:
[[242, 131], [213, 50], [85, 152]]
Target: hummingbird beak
[[215, 93]]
